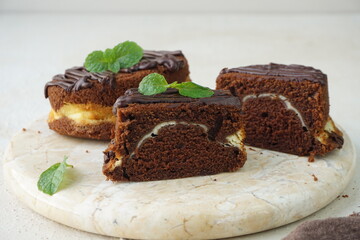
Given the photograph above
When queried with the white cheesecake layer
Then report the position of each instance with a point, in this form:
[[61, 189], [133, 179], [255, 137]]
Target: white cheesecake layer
[[83, 114]]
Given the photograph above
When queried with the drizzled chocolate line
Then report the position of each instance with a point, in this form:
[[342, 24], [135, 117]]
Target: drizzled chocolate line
[[151, 59], [286, 72], [131, 96], [77, 78]]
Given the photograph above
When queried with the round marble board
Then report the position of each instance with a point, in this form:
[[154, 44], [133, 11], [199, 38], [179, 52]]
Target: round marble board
[[271, 190]]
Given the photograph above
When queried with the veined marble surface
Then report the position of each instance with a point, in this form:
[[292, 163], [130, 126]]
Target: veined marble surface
[[272, 189]]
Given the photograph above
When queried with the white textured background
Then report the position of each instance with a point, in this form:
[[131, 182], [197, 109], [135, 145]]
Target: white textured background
[[183, 6], [39, 39]]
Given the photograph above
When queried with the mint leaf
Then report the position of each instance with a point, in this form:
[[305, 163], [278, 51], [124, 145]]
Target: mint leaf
[[109, 55], [173, 85], [51, 178], [153, 83], [95, 62], [123, 55], [128, 53], [193, 90], [114, 67]]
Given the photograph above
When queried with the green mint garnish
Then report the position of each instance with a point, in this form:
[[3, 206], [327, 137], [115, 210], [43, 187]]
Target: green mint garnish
[[51, 178], [193, 90], [155, 83], [123, 55]]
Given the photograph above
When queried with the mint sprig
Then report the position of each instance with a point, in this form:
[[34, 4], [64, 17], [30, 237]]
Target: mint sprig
[[123, 55], [51, 178], [152, 84], [193, 90], [155, 83]]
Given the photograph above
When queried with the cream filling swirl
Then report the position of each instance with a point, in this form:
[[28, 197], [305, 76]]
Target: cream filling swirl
[[321, 137], [235, 140]]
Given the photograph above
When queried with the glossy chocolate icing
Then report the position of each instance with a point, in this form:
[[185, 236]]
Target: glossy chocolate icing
[[77, 78], [151, 59], [132, 96], [291, 72]]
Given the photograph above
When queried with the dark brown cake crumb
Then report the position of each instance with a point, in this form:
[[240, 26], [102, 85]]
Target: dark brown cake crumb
[[355, 214], [38, 132], [87, 151], [24, 129], [311, 157], [345, 196], [315, 178]]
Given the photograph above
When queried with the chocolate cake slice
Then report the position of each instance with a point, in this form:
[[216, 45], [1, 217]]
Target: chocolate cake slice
[[169, 136], [285, 107], [82, 101]]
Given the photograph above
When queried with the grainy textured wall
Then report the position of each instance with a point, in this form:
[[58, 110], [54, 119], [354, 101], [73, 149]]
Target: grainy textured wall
[[183, 6]]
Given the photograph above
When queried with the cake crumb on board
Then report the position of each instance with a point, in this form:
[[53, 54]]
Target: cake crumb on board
[[311, 157], [315, 178], [355, 214]]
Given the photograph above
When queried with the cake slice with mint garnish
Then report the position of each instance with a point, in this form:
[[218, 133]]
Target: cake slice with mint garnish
[[81, 99], [174, 130]]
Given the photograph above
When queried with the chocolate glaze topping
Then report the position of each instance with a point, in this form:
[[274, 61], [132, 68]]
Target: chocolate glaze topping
[[151, 59], [291, 72], [131, 96], [77, 78]]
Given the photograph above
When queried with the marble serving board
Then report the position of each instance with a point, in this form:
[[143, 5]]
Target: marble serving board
[[271, 190]]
